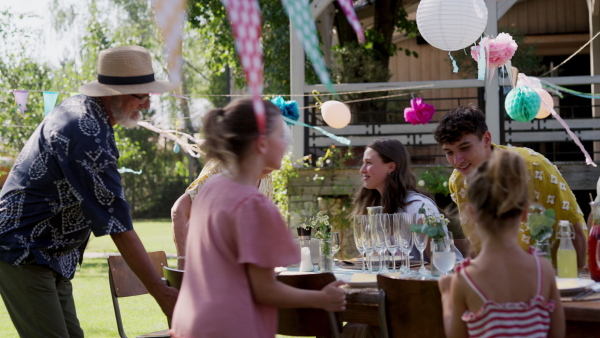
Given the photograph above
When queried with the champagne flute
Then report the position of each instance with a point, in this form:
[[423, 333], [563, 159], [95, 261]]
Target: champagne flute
[[420, 239], [392, 238], [368, 243], [379, 243], [406, 240], [444, 257], [335, 243], [358, 228]]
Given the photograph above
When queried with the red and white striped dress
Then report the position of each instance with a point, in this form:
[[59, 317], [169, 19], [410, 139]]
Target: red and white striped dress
[[512, 319]]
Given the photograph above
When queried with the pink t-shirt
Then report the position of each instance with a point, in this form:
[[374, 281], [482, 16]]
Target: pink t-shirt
[[230, 225]]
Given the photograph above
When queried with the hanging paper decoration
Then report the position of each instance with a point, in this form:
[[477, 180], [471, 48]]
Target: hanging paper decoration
[[191, 148], [49, 101], [288, 109], [176, 148], [498, 51], [335, 114], [547, 101], [299, 13], [348, 8], [451, 24], [332, 136], [244, 16], [419, 112], [127, 170], [170, 15], [21, 98], [522, 104]]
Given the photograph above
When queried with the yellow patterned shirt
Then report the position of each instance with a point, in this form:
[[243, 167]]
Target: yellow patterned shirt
[[214, 167], [546, 187]]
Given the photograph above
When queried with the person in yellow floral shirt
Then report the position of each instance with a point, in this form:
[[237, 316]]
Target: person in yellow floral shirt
[[466, 141]]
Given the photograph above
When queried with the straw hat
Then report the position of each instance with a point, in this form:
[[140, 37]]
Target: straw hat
[[125, 70]]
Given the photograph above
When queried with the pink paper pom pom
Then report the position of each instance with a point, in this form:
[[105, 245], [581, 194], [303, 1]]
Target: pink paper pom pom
[[501, 49], [419, 113]]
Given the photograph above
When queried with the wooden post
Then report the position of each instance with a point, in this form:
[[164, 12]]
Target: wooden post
[[594, 17], [492, 96]]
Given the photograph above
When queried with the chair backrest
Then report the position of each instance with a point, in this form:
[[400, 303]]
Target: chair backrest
[[173, 277], [410, 308], [124, 283], [308, 322]]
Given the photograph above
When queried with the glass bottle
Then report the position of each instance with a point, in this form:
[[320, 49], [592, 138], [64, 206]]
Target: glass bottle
[[566, 257], [593, 237]]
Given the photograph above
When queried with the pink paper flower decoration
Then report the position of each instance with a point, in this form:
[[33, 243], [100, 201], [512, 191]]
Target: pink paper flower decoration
[[419, 112], [501, 49]]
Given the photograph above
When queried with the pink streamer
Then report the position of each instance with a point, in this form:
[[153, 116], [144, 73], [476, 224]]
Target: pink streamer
[[21, 98], [588, 159], [348, 9], [192, 149], [244, 16]]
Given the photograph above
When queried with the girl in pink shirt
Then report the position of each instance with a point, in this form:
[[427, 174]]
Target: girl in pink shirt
[[236, 237], [504, 291]]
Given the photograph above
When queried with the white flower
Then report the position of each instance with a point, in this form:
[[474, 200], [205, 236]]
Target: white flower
[[535, 163], [566, 205], [462, 193], [563, 186], [453, 178], [421, 183], [445, 184], [453, 196], [537, 195], [553, 179], [525, 239], [532, 153], [538, 175], [550, 199]]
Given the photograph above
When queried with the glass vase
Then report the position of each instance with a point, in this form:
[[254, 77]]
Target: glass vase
[[543, 249], [326, 256]]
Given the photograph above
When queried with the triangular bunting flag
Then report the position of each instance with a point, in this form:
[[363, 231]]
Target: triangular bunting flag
[[21, 98], [49, 101]]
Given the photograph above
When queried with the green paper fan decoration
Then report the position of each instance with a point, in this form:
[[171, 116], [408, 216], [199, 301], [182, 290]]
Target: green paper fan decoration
[[522, 104]]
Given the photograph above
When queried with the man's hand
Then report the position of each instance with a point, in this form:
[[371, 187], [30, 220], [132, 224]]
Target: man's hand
[[166, 298]]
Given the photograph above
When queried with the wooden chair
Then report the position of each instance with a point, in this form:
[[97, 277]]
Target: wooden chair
[[124, 283], [410, 308], [173, 277], [308, 322]]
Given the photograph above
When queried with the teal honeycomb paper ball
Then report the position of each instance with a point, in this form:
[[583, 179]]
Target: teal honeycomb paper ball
[[522, 104]]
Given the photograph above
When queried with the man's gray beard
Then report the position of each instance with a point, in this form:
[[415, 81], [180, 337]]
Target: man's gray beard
[[123, 119]]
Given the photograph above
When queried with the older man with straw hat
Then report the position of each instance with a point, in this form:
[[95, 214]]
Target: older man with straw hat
[[65, 185]]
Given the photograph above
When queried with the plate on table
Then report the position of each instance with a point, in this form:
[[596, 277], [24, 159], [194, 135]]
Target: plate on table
[[571, 286], [363, 280]]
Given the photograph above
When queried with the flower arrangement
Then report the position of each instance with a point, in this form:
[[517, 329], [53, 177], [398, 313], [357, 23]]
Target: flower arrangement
[[433, 226], [320, 223], [419, 112], [500, 50], [540, 223]]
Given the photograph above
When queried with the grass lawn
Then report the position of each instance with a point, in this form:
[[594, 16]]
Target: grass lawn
[[92, 293]]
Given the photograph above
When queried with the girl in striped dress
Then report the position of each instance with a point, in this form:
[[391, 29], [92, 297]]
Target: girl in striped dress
[[504, 291]]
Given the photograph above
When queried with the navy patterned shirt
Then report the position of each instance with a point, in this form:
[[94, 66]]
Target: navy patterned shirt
[[63, 185]]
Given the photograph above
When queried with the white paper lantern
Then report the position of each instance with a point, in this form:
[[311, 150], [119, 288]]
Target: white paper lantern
[[336, 114], [451, 24], [546, 98]]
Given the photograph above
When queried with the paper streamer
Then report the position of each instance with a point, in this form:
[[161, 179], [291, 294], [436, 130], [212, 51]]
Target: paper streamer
[[192, 149], [481, 62], [127, 170], [454, 65], [348, 8], [299, 13], [49, 101], [244, 16], [339, 139], [170, 15], [588, 159], [558, 89], [21, 98]]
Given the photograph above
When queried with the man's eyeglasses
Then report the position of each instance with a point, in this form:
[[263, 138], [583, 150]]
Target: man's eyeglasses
[[143, 99]]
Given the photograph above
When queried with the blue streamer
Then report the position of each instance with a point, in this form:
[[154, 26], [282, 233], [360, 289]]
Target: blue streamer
[[558, 88], [454, 66], [339, 139], [481, 63], [127, 170]]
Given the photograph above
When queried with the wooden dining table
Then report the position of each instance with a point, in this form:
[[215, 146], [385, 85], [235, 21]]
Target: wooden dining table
[[582, 317]]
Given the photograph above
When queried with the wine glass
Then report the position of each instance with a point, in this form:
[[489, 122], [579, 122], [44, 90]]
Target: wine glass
[[443, 255], [335, 243], [377, 238], [358, 228], [420, 239], [406, 240]]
